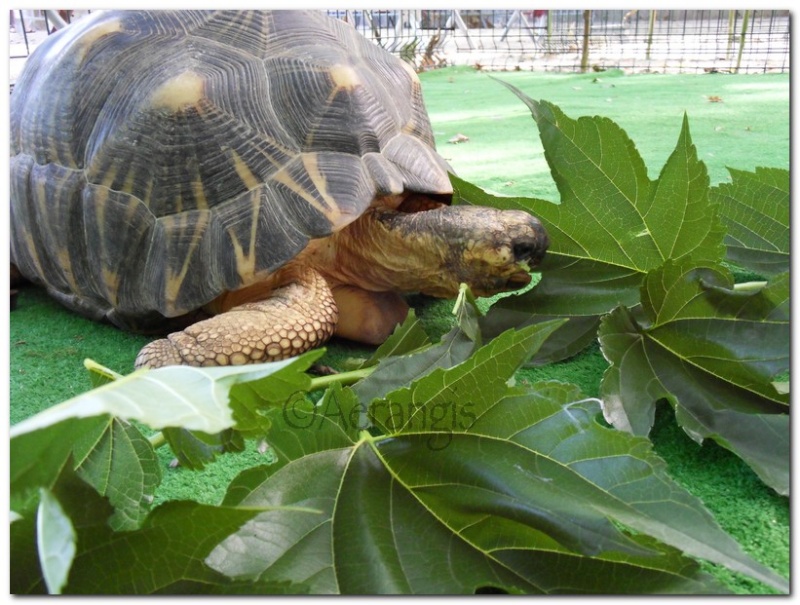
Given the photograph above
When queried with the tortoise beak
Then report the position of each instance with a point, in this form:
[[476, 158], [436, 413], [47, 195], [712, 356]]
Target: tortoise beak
[[517, 281], [529, 246]]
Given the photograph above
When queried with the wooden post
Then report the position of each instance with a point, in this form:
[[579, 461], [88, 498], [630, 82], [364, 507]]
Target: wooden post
[[587, 23], [651, 26], [549, 31], [745, 21], [731, 35]]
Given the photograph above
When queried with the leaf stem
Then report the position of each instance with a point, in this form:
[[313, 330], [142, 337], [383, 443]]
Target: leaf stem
[[343, 378], [750, 286], [157, 440]]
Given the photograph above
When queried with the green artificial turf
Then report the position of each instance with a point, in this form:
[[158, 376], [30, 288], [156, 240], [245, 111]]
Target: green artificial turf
[[736, 121]]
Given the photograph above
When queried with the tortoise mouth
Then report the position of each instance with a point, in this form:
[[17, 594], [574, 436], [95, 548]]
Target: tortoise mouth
[[518, 280]]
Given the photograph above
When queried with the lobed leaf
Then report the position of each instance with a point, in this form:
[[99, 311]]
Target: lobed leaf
[[755, 211], [713, 352], [612, 225], [446, 399], [163, 556], [530, 496], [184, 396], [398, 370]]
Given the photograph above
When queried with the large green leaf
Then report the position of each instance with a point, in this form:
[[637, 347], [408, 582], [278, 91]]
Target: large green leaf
[[111, 454], [248, 400], [713, 352], [37, 457], [529, 495], [183, 396], [400, 366], [369, 514], [448, 398], [164, 555], [755, 210], [612, 226]]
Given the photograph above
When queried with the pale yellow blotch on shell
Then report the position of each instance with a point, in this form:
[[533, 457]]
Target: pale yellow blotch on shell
[[345, 77], [184, 90]]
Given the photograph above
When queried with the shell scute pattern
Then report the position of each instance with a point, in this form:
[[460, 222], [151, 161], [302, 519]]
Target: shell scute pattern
[[207, 165]]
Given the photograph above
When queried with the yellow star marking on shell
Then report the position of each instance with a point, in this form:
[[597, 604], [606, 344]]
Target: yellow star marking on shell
[[319, 180], [175, 280], [111, 281], [246, 261], [99, 30], [326, 205], [30, 244], [65, 262], [250, 180], [110, 175], [201, 202], [128, 184], [184, 90]]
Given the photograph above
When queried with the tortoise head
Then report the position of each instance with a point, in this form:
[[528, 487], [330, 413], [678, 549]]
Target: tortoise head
[[435, 248], [490, 250]]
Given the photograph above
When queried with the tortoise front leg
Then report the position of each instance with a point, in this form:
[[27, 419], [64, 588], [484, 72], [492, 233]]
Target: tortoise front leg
[[296, 317], [368, 317]]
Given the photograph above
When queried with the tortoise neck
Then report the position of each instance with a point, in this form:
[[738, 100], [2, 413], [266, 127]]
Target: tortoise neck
[[385, 250]]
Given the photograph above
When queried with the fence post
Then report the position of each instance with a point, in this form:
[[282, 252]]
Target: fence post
[[745, 19], [650, 27], [587, 23], [549, 31], [731, 35]]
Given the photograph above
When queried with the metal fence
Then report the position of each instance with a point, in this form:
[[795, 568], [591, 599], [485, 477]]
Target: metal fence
[[674, 41], [575, 40]]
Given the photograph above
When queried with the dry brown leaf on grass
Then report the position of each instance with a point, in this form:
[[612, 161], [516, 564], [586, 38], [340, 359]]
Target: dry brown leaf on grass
[[459, 138]]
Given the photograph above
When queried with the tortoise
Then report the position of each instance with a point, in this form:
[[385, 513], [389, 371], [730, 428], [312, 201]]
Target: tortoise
[[256, 181]]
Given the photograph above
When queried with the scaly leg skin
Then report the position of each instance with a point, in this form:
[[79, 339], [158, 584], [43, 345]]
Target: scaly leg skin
[[296, 317]]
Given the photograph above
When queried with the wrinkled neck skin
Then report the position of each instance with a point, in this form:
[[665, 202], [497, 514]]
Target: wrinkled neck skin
[[432, 251], [377, 254]]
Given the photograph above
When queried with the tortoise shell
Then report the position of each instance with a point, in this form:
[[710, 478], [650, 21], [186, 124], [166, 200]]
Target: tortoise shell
[[160, 159]]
